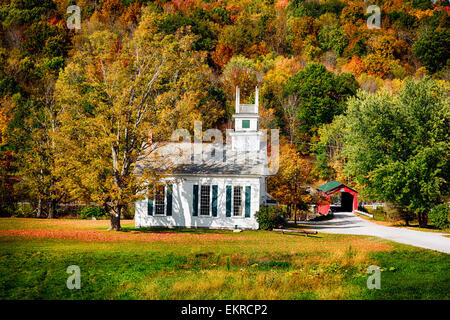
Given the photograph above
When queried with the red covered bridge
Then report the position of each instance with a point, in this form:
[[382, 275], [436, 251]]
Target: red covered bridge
[[349, 197]]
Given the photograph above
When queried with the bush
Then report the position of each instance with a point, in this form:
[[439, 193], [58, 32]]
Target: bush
[[270, 217], [439, 216], [90, 212], [8, 210], [398, 213], [24, 210]]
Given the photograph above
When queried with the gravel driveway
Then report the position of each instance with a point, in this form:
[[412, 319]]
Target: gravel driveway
[[349, 223]]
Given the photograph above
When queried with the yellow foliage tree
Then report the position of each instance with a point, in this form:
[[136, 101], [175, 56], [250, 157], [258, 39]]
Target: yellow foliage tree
[[118, 88], [289, 185]]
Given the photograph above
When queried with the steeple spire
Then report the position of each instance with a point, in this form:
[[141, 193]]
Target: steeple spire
[[257, 99], [238, 99]]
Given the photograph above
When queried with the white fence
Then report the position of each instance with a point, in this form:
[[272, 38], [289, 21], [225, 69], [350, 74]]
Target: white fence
[[364, 213], [373, 205]]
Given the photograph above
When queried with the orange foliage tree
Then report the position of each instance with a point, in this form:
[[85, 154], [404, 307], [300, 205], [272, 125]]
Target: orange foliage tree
[[289, 185]]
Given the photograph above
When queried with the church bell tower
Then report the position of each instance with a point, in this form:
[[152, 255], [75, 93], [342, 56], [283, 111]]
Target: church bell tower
[[246, 135]]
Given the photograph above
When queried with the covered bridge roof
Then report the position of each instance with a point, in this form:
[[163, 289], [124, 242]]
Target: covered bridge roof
[[331, 185]]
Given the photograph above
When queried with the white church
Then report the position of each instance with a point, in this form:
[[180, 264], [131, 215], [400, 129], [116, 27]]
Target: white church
[[211, 185]]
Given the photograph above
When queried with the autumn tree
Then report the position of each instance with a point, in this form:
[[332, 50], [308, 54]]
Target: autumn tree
[[6, 157], [303, 31], [36, 158], [116, 90], [274, 82], [289, 185], [27, 80], [239, 71]]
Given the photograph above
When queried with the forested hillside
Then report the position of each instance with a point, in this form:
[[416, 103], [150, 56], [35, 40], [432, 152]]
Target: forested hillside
[[307, 57]]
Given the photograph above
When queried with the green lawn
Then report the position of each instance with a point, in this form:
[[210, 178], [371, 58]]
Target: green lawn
[[208, 264]]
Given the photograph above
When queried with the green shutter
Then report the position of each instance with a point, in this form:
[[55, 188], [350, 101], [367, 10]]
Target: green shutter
[[214, 200], [228, 206], [195, 201], [169, 200], [246, 124], [150, 207], [247, 201]]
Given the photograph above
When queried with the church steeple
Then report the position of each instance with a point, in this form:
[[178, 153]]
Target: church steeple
[[246, 116], [246, 135]]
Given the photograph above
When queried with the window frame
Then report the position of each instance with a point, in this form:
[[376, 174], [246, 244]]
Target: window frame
[[209, 201], [164, 203], [242, 202]]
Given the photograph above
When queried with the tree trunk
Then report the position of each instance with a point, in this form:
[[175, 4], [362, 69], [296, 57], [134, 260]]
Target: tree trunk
[[39, 208], [295, 204], [51, 209], [423, 219], [295, 210], [419, 219], [115, 217]]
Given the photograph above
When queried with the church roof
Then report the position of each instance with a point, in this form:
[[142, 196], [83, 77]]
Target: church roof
[[179, 158], [185, 158]]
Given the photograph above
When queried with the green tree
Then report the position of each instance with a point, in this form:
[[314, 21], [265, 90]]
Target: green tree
[[422, 4], [331, 37], [432, 49], [439, 216], [329, 158], [397, 146], [320, 96], [198, 21]]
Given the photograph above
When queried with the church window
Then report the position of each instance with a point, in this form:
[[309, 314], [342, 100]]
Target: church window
[[159, 200], [237, 201], [205, 200]]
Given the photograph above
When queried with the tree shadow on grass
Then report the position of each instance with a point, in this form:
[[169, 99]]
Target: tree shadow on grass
[[300, 235], [303, 235], [175, 230]]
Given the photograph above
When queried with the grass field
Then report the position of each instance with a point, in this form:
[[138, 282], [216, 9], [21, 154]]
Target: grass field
[[207, 264]]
